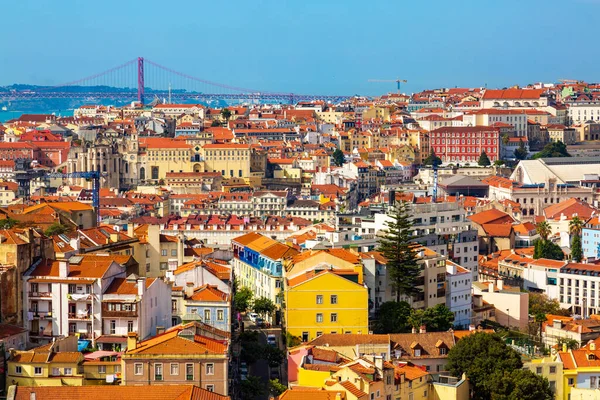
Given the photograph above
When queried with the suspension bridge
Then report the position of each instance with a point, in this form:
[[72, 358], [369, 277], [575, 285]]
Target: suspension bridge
[[144, 80]]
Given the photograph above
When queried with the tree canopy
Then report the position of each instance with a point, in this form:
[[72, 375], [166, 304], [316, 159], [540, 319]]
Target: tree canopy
[[484, 160], [263, 306], [243, 299], [57, 229], [521, 151], [484, 358], [398, 317], [540, 303], [546, 249], [521, 384], [8, 223], [432, 159], [396, 246], [338, 157], [552, 150]]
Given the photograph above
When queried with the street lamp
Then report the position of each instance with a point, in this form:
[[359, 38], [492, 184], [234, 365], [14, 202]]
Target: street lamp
[[508, 318]]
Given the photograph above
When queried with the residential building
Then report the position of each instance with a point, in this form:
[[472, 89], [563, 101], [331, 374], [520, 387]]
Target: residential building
[[326, 301], [258, 265], [517, 118], [207, 304], [581, 372], [579, 286], [550, 368], [182, 354], [171, 392], [162, 155], [561, 133], [458, 293], [511, 305], [514, 98]]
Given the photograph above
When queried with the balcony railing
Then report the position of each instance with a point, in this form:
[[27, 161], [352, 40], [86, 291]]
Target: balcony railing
[[80, 316], [41, 314], [39, 295]]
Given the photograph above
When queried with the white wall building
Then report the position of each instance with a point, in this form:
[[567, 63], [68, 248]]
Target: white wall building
[[458, 293]]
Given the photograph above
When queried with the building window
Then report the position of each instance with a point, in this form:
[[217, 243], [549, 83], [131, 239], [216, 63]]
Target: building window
[[207, 315], [164, 266], [174, 253], [220, 315], [334, 299], [37, 371], [210, 388], [174, 369], [72, 288], [158, 372], [113, 326], [552, 370], [18, 370], [129, 326], [102, 369], [538, 370], [570, 382], [333, 317], [56, 371], [163, 252], [189, 372], [319, 299], [210, 369], [68, 371], [138, 369], [319, 317]]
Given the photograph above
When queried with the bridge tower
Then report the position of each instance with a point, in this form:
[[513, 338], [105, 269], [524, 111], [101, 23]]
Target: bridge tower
[[140, 62]]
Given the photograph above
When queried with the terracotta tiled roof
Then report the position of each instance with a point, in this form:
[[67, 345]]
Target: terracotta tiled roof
[[491, 216], [124, 286], [303, 393], [110, 392], [349, 386], [341, 340], [209, 293], [570, 208], [170, 343]]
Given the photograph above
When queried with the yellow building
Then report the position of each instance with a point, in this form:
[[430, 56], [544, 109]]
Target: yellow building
[[230, 159], [382, 112], [164, 155], [326, 301], [49, 365], [580, 372], [550, 368]]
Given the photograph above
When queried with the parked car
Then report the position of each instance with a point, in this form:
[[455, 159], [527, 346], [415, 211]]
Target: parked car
[[259, 322], [272, 340], [253, 316]]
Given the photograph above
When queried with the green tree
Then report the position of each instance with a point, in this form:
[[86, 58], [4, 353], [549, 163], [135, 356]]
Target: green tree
[[438, 318], [243, 299], [540, 303], [547, 249], [521, 151], [575, 227], [417, 318], [543, 229], [252, 388], [505, 139], [499, 163], [263, 306], [484, 358], [432, 159], [571, 344], [392, 317], [552, 150], [226, 114], [8, 223], [276, 388], [215, 123], [291, 340], [396, 246], [521, 384], [484, 160], [338, 157], [57, 229], [273, 355]]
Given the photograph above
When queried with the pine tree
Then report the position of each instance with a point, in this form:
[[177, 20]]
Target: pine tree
[[484, 160], [576, 250], [338, 157], [397, 247]]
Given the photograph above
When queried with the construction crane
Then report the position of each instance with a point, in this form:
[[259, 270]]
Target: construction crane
[[398, 81]]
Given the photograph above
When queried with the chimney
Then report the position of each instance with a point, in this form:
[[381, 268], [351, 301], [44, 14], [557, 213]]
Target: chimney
[[500, 284], [32, 396], [141, 286], [74, 243], [114, 237], [63, 268], [491, 287], [160, 330], [414, 330], [422, 329], [471, 328], [131, 341], [379, 363], [189, 289], [593, 346]]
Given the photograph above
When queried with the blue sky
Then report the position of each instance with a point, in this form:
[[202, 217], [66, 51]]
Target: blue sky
[[309, 46]]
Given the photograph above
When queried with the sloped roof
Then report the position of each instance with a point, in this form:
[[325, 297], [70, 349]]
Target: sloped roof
[[111, 392]]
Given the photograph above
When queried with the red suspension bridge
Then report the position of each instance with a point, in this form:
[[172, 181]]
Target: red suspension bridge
[[141, 79]]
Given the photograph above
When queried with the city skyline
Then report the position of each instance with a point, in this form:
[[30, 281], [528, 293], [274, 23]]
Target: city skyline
[[318, 48]]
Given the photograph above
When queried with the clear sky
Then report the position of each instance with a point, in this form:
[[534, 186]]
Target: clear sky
[[308, 46]]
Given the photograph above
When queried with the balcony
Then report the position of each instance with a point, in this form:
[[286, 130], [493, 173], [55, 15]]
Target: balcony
[[80, 316], [41, 314], [40, 295], [79, 297]]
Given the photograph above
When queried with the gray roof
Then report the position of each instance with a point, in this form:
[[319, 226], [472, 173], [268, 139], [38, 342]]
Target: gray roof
[[462, 180]]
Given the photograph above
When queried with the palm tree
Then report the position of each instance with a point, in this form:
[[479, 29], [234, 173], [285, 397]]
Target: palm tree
[[575, 226], [544, 230]]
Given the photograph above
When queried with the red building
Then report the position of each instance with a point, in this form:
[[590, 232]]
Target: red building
[[464, 144]]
